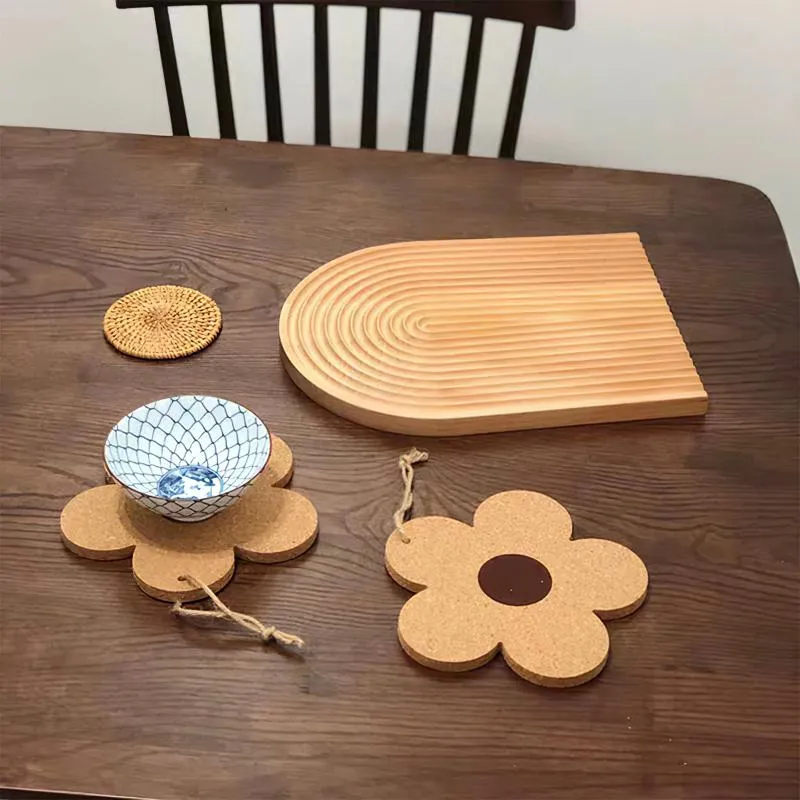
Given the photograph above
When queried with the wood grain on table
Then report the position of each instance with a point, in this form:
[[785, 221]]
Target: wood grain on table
[[104, 691]]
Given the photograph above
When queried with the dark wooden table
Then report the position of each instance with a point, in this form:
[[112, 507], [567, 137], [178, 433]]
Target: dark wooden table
[[104, 691]]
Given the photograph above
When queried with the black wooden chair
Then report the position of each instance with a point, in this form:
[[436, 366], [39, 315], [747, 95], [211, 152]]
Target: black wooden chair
[[531, 13]]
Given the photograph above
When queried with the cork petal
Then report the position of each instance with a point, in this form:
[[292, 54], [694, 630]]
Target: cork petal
[[435, 542], [91, 525], [157, 571], [524, 521], [280, 465], [283, 526], [566, 648], [437, 628], [603, 576]]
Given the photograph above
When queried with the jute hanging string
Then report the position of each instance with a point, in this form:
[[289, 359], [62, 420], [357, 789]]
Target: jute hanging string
[[253, 626], [406, 463], [267, 633]]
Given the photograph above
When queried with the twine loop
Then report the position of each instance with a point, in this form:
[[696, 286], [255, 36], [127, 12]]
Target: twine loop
[[406, 463], [254, 626], [267, 633]]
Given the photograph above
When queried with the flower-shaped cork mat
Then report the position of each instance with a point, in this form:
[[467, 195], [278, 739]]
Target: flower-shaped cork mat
[[473, 336], [160, 322], [514, 582], [269, 524]]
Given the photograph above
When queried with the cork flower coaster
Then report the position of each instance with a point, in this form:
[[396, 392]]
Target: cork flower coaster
[[162, 322], [514, 582], [269, 524]]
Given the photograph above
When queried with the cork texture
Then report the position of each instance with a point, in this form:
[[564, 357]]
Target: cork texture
[[268, 525], [514, 582]]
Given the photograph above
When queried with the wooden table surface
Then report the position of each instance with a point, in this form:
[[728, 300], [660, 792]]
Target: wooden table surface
[[104, 691]]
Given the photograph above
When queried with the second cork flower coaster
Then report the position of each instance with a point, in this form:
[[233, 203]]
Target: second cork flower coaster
[[514, 582]]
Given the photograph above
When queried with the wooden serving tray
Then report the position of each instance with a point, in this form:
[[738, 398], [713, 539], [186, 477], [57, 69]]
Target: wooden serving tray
[[472, 336]]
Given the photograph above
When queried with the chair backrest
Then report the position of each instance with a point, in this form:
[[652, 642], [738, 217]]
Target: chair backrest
[[531, 13]]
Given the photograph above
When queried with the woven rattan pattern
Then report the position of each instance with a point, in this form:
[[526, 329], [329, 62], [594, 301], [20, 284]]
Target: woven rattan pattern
[[162, 322]]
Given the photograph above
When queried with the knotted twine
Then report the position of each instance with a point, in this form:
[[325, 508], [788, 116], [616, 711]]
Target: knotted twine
[[267, 633], [406, 463], [254, 626]]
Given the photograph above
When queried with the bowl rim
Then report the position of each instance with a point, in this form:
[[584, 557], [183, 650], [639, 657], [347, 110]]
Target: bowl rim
[[127, 486]]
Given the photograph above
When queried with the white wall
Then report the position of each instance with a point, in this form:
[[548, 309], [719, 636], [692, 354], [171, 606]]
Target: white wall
[[688, 86]]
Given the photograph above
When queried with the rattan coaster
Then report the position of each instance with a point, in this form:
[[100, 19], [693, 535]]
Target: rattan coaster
[[162, 322]]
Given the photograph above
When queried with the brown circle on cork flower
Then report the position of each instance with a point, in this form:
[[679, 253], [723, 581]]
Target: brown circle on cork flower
[[515, 580]]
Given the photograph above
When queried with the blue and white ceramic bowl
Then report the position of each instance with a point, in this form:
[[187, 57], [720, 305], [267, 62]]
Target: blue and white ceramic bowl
[[187, 457]]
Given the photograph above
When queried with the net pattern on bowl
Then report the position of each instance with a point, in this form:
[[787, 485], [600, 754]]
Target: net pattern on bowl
[[192, 429]]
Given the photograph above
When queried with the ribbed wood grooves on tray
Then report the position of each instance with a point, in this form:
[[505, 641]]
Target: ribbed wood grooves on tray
[[471, 336]]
